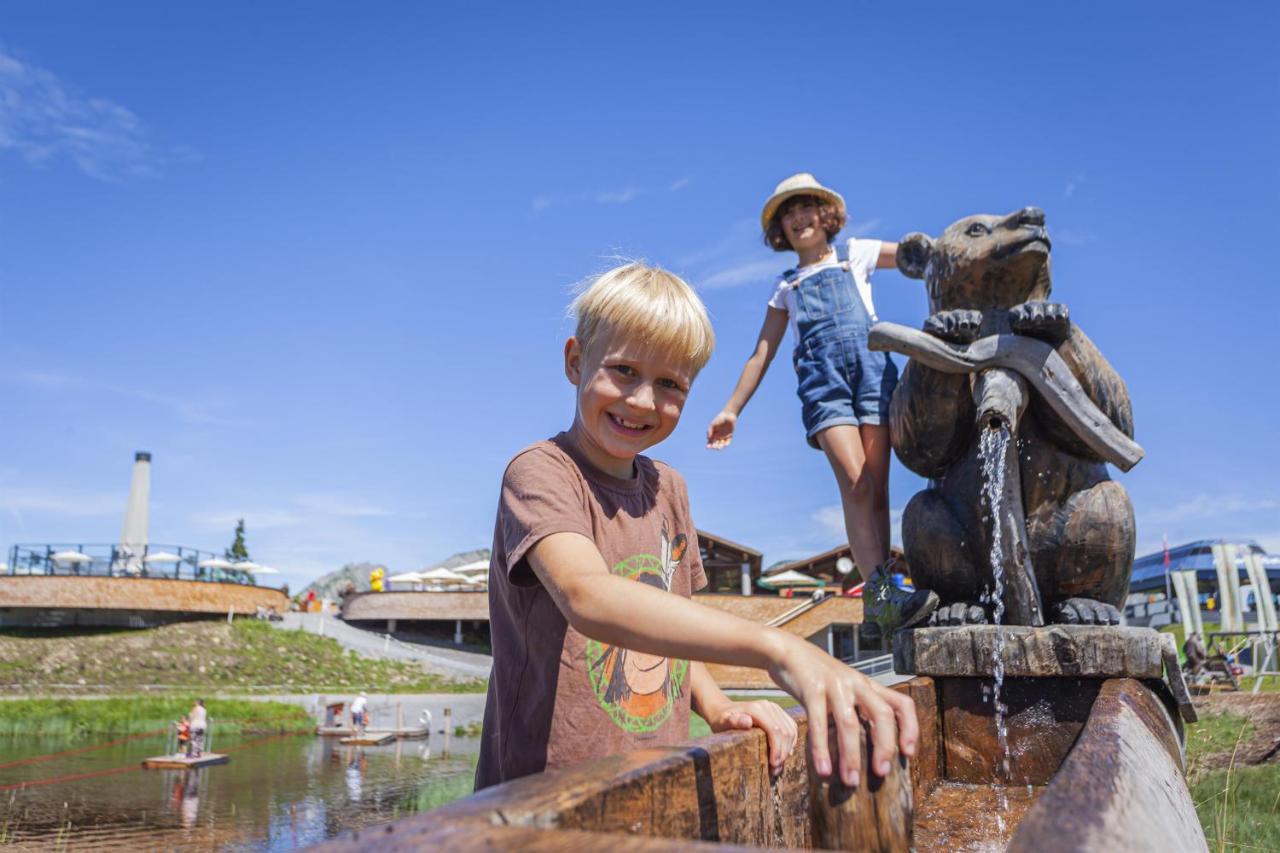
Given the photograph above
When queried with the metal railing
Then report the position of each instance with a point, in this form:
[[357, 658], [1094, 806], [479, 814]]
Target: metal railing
[[113, 560], [872, 666]]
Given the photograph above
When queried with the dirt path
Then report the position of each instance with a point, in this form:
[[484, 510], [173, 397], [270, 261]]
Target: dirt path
[[1263, 744]]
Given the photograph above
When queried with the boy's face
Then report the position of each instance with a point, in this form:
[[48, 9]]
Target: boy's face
[[629, 399]]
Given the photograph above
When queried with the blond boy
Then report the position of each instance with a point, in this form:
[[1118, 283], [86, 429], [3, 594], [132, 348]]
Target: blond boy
[[596, 643]]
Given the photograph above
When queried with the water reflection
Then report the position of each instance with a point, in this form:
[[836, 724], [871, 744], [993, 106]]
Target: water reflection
[[278, 792]]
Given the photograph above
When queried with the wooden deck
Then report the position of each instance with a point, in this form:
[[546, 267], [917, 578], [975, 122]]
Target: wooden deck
[[182, 762]]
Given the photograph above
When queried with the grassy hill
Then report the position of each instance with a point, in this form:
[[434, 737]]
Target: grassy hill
[[248, 656]]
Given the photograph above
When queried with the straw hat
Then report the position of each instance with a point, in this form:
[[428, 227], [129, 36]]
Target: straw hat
[[801, 183]]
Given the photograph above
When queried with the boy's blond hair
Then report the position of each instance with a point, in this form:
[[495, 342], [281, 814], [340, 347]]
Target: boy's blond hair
[[648, 304]]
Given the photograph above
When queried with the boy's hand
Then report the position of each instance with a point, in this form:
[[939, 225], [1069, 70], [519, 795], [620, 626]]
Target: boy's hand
[[778, 727], [720, 433], [828, 688]]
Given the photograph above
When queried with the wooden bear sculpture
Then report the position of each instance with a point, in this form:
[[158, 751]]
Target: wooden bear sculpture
[[996, 358]]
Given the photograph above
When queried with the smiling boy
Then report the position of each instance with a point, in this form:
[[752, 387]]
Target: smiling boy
[[593, 654]]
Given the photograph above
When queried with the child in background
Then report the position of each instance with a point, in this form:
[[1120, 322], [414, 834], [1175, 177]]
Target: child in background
[[184, 735], [844, 387], [597, 648]]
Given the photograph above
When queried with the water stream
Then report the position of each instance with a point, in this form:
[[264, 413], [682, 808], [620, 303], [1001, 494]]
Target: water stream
[[993, 446]]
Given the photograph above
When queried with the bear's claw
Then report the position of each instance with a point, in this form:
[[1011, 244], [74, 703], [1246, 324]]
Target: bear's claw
[[960, 326], [1048, 321], [959, 613], [1086, 611]]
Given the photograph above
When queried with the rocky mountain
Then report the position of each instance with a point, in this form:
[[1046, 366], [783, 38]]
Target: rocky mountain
[[357, 574]]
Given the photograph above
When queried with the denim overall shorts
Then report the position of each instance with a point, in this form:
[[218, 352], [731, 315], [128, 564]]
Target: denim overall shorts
[[840, 380]]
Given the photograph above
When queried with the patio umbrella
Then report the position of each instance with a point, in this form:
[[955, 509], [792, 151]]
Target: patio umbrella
[[789, 578], [70, 557], [162, 557], [216, 563], [265, 570], [443, 576], [406, 577], [469, 568]]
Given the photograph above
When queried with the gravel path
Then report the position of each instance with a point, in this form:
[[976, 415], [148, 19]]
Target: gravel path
[[439, 659]]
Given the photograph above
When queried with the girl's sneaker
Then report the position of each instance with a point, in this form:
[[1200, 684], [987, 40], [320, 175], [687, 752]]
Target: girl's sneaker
[[891, 608]]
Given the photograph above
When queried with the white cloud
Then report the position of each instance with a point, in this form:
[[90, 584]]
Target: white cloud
[[189, 409], [1204, 506], [861, 229], [745, 273], [43, 119], [621, 195], [725, 270], [17, 499], [831, 520], [342, 506], [1072, 185], [255, 519]]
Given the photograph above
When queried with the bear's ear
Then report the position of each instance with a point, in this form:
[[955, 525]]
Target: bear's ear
[[914, 251]]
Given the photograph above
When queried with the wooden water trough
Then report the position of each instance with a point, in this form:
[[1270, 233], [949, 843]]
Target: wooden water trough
[[183, 762], [1095, 762]]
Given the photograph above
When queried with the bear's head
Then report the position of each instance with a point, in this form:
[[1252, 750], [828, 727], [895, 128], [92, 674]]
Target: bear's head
[[982, 262]]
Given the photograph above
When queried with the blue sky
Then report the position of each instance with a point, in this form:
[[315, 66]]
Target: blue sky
[[316, 259]]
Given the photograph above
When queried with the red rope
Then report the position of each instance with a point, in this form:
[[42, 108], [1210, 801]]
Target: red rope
[[36, 759]]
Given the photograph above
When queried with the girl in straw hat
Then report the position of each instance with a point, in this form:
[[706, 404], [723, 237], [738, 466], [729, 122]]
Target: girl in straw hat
[[844, 387]]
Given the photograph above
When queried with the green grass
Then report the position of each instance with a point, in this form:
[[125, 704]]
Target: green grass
[[205, 656], [135, 715], [1216, 733], [1238, 807]]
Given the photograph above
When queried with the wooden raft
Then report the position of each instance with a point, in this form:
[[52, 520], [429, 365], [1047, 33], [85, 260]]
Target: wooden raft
[[182, 762], [369, 739]]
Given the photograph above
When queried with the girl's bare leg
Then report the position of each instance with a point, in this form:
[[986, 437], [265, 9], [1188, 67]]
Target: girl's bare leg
[[875, 449], [868, 535]]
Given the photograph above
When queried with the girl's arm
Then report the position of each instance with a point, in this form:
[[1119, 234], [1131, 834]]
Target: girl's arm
[[888, 256], [621, 612], [720, 433]]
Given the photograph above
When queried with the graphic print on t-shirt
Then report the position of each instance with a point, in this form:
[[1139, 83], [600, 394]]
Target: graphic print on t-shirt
[[639, 690]]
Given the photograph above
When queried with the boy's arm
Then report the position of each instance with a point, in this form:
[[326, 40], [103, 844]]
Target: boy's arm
[[888, 256], [621, 612], [723, 714]]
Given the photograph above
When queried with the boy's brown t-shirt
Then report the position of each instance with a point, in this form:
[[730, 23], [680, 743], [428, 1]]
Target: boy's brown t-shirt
[[555, 696]]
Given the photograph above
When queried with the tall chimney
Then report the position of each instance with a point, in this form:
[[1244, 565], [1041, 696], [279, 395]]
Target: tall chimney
[[133, 538]]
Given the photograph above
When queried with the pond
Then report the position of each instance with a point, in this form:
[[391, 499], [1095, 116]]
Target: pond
[[279, 792]]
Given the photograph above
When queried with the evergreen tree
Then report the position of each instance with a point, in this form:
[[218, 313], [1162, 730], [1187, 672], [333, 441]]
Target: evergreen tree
[[238, 553]]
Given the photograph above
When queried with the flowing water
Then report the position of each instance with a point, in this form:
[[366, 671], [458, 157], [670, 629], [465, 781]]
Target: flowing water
[[993, 446], [279, 792]]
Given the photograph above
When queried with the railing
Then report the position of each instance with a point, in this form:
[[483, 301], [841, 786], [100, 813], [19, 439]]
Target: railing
[[872, 666], [113, 560]]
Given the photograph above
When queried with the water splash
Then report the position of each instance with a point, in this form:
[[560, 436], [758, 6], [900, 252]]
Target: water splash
[[992, 447]]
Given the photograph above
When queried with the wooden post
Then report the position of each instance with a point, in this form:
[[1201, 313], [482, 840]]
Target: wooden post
[[448, 730], [877, 815], [399, 716]]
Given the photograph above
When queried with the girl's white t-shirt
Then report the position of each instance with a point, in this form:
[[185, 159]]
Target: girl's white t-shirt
[[862, 259]]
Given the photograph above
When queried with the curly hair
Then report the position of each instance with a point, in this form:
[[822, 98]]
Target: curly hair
[[831, 217]]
